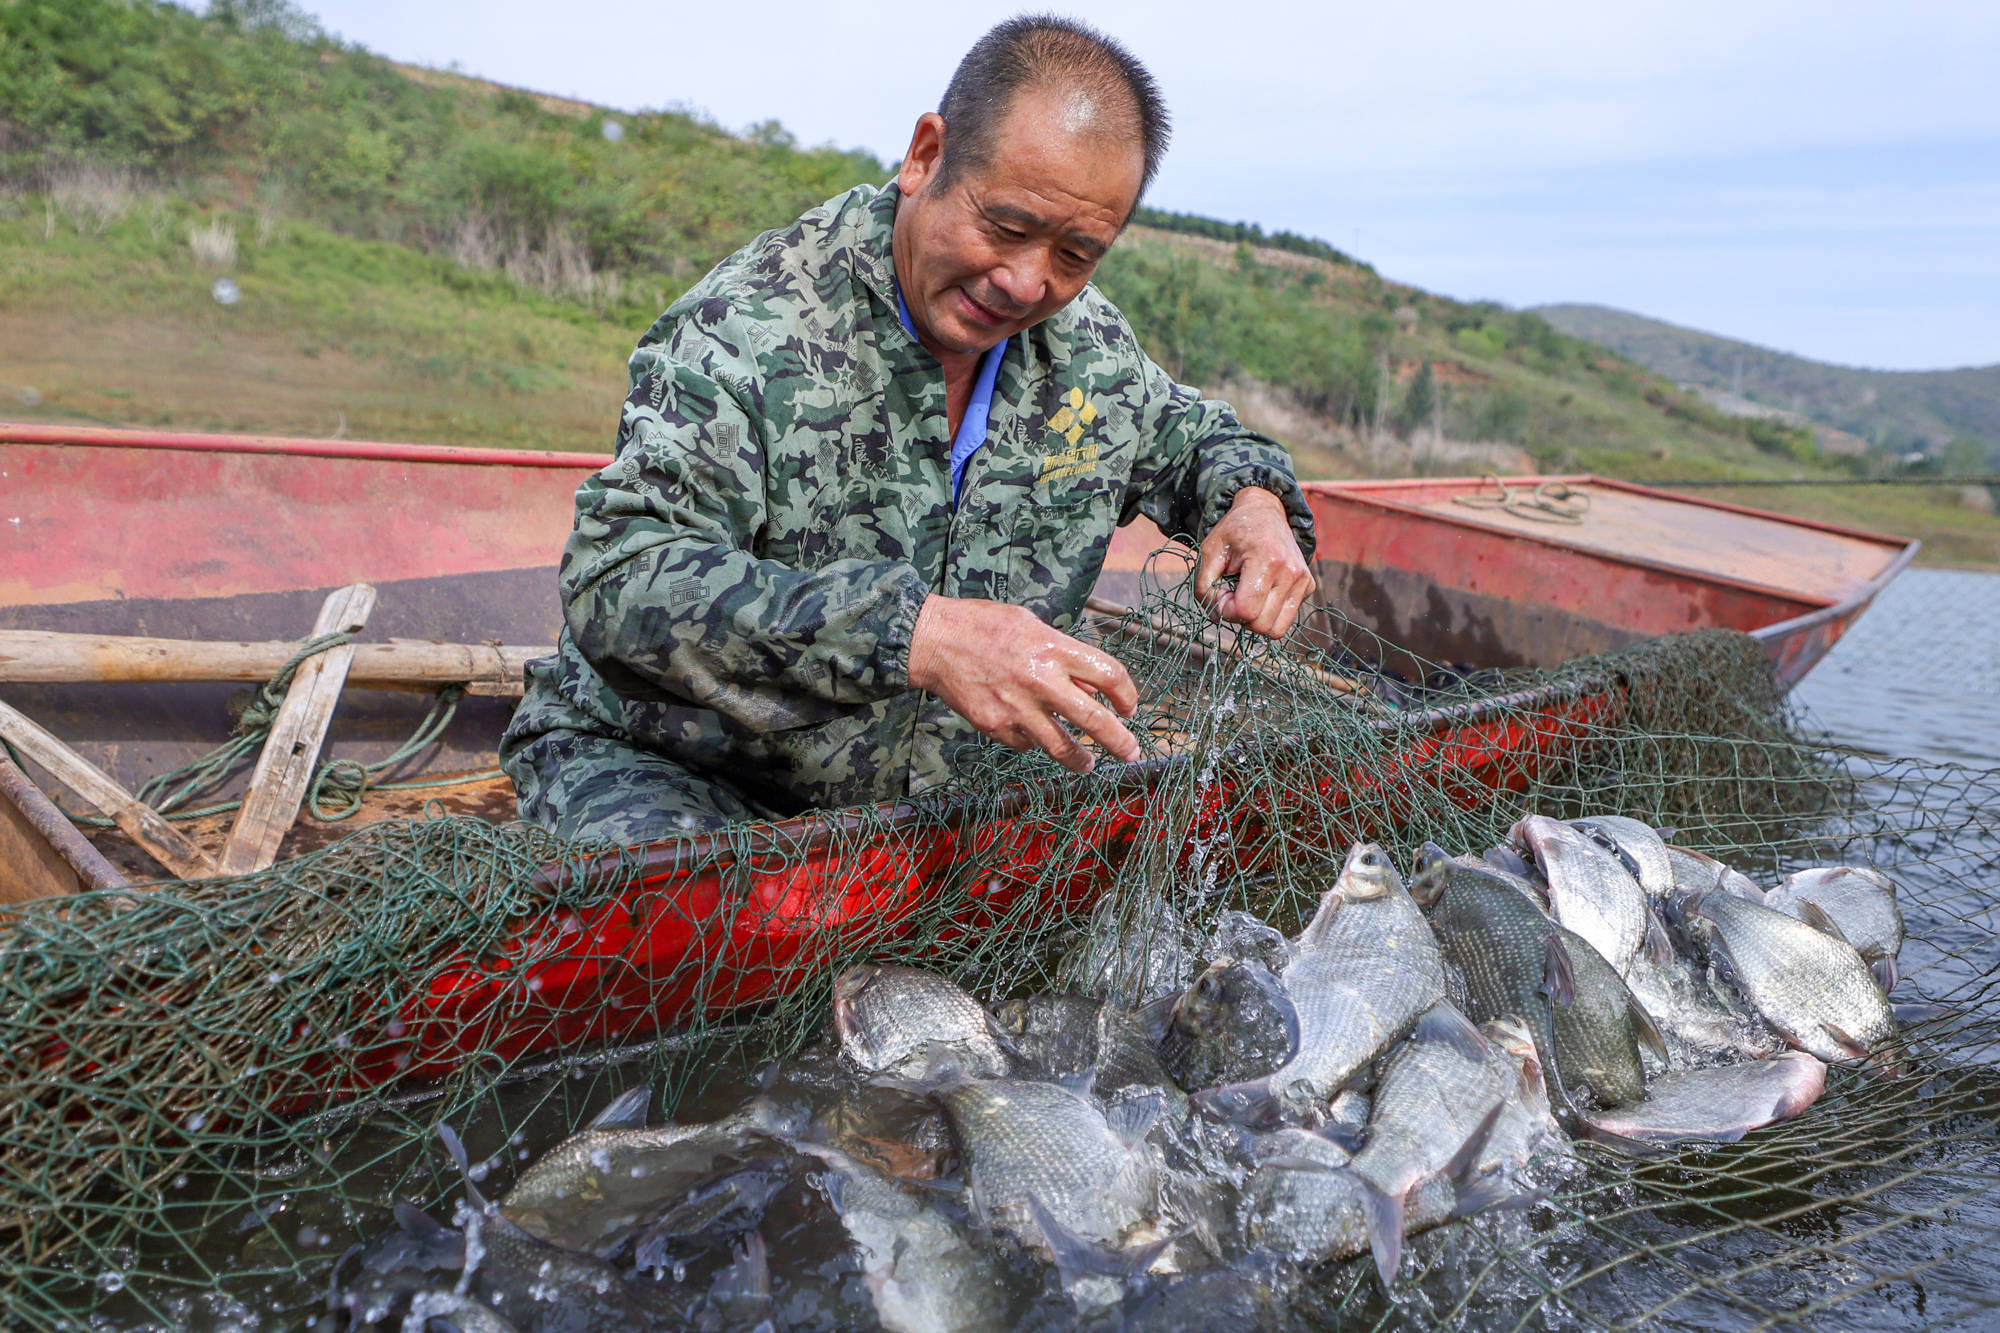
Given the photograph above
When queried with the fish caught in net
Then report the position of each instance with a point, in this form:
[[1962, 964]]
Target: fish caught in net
[[216, 1091]]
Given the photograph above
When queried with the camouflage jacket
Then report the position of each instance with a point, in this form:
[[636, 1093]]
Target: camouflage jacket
[[741, 584]]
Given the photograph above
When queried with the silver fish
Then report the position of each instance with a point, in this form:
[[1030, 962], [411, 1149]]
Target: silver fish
[[600, 1188], [1590, 892], [1300, 1204], [1052, 1036], [1696, 873], [1858, 902], [1434, 1093], [1812, 987], [1040, 1152], [1720, 1104], [1360, 973], [1527, 1126], [923, 1275], [1638, 847], [893, 1020], [1234, 1024]]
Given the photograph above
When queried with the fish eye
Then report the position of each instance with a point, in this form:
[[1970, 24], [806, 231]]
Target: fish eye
[[1371, 858]]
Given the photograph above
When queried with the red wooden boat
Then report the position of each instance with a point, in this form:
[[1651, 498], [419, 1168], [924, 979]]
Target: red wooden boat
[[206, 537]]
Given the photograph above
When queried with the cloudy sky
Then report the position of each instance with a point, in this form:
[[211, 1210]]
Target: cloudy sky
[[1821, 177]]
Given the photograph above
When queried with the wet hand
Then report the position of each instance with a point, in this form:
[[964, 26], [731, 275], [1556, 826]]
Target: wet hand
[[1254, 542], [1018, 680]]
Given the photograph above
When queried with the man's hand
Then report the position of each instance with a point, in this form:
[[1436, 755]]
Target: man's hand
[[1254, 541], [1013, 677]]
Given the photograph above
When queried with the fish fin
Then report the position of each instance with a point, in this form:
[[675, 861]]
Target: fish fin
[[1621, 1142], [1132, 1118], [1503, 857], [1154, 1016], [455, 1148], [1558, 977], [1239, 1103], [1885, 972], [1658, 947], [626, 1111], [1322, 922], [1645, 1029], [1465, 1162], [650, 1254], [1444, 1024], [1083, 1082], [1385, 1230], [1858, 1050], [1815, 916], [1492, 1190], [1077, 1257], [1667, 832], [419, 1223]]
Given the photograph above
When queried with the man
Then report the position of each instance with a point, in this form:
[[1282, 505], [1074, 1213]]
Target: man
[[867, 474]]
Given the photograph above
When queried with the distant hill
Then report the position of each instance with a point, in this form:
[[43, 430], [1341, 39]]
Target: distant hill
[[1893, 409], [230, 220]]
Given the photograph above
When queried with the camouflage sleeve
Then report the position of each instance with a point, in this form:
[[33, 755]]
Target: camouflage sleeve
[[661, 590], [1200, 457]]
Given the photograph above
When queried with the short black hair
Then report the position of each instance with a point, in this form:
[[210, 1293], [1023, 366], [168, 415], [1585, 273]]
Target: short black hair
[[1040, 50]]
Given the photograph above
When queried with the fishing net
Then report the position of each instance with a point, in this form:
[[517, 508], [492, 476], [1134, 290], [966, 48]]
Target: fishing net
[[211, 1090]]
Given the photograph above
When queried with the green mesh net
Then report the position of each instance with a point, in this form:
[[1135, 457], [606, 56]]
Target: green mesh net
[[212, 1090]]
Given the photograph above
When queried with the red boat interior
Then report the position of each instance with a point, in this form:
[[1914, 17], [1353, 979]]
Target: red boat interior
[[240, 538]]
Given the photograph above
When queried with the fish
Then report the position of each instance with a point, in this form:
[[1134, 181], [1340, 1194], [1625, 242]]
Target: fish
[[1299, 1202], [1234, 1024], [1527, 1126], [1060, 1173], [1812, 987], [1719, 1104], [894, 1020], [1360, 973], [923, 1274], [1052, 1036], [602, 1187], [1638, 847], [1137, 949], [1518, 963], [1590, 891], [1857, 903], [400, 1265], [1695, 873], [1435, 1093], [539, 1287]]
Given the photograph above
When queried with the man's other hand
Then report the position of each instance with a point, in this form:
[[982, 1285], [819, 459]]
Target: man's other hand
[[1016, 679], [1254, 542]]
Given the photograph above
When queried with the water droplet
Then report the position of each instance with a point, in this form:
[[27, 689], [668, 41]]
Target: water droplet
[[341, 1041], [396, 1028], [534, 983], [225, 291], [638, 1173], [613, 130], [111, 1280], [195, 1121], [273, 978], [180, 1182], [517, 1138], [311, 1236], [680, 1271]]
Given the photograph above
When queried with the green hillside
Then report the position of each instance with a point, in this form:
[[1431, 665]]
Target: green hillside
[[1895, 410], [416, 255]]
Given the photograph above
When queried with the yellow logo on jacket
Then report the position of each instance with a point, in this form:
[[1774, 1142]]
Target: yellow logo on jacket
[[1070, 421]]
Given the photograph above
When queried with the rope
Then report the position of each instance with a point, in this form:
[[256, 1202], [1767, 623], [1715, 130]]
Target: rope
[[338, 786], [1550, 502]]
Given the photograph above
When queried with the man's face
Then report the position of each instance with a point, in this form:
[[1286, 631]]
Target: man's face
[[1008, 244]]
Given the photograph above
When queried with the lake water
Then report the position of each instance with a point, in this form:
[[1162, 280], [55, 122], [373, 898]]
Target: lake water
[[1919, 673]]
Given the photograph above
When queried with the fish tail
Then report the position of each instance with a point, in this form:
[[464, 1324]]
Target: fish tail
[[1385, 1230]]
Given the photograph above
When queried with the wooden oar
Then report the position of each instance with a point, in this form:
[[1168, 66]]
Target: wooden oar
[[43, 657], [285, 765], [141, 823]]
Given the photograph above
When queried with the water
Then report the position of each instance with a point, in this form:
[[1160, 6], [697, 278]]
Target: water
[[1919, 672]]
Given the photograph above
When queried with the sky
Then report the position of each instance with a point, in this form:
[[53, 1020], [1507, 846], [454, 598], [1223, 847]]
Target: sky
[[1819, 176]]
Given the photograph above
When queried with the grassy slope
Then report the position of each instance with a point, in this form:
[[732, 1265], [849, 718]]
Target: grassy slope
[[1891, 408], [377, 321]]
